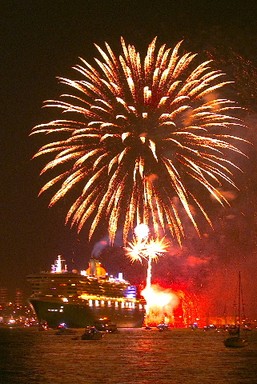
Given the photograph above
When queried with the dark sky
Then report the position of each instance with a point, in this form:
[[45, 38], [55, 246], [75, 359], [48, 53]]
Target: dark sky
[[43, 39]]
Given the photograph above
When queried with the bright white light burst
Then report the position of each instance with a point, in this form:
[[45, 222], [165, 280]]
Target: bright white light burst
[[139, 250]]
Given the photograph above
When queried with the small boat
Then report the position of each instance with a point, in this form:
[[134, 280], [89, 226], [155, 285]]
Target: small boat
[[236, 340], [105, 325], [91, 333], [162, 327], [62, 329]]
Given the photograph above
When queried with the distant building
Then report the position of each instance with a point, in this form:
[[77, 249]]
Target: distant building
[[3, 296], [18, 297]]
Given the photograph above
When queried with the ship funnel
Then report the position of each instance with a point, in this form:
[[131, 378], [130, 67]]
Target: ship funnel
[[95, 268], [92, 267]]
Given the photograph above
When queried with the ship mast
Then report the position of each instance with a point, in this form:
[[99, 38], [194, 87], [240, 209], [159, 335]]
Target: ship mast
[[239, 301]]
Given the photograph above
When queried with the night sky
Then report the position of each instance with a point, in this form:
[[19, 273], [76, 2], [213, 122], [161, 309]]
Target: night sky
[[43, 39]]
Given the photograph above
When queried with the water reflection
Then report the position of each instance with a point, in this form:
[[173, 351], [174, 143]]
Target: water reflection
[[129, 356]]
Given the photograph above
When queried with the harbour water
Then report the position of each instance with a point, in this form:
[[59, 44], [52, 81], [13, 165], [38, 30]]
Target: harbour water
[[28, 356]]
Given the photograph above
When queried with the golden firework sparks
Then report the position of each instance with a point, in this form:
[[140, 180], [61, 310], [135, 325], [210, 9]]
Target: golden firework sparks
[[137, 131], [139, 250]]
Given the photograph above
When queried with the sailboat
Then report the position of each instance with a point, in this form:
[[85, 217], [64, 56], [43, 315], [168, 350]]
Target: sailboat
[[236, 340]]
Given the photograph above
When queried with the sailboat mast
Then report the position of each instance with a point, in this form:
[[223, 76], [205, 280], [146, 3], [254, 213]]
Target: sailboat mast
[[239, 300], [236, 341]]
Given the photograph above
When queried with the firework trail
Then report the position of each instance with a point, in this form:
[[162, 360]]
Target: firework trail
[[143, 248], [139, 133]]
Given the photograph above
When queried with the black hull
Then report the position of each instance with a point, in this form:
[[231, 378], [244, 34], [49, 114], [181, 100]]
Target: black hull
[[81, 314]]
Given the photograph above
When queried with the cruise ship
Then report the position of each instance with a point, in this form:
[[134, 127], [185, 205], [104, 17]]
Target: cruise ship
[[82, 298]]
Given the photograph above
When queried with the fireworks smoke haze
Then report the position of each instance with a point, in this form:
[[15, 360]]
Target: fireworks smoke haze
[[141, 133]]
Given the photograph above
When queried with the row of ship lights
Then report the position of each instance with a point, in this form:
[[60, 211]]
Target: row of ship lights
[[60, 267]]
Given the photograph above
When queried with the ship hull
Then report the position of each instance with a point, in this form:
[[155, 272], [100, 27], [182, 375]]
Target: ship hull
[[82, 313]]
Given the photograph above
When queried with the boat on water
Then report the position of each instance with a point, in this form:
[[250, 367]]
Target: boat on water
[[80, 299], [91, 333], [162, 327], [235, 340], [105, 325], [64, 330]]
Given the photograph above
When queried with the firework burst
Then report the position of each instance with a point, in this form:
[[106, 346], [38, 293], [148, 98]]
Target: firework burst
[[139, 250], [146, 249], [137, 130]]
